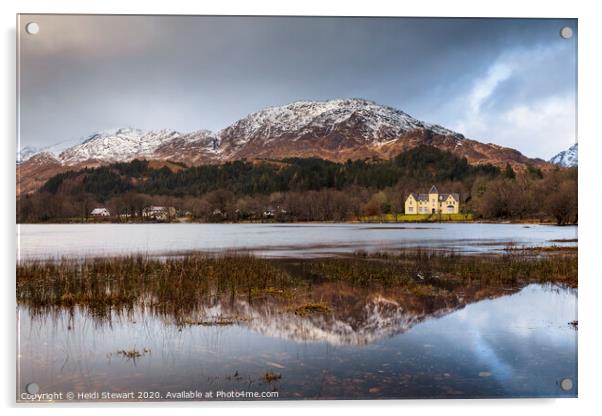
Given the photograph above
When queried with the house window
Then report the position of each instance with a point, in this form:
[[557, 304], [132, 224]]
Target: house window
[[411, 209]]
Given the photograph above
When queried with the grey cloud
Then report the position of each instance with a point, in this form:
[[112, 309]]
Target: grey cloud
[[87, 73]]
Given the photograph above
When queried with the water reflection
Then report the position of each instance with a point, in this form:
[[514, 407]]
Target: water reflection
[[459, 341]]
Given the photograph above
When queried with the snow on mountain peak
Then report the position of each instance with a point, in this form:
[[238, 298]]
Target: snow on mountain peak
[[27, 152], [338, 123], [567, 158], [369, 121], [117, 144]]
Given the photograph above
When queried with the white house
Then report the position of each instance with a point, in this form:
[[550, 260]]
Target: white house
[[100, 212]]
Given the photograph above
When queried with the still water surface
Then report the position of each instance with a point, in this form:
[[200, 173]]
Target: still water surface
[[372, 343], [498, 345], [42, 241]]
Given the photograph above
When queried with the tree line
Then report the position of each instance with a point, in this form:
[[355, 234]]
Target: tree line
[[302, 189]]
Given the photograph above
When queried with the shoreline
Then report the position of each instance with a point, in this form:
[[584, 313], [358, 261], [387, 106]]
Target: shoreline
[[518, 222]]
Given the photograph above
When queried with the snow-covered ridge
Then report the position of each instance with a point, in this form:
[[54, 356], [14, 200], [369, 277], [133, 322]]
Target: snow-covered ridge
[[117, 145], [374, 122], [567, 158], [362, 120], [25, 153]]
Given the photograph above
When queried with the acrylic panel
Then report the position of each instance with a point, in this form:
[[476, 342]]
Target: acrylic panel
[[284, 208]]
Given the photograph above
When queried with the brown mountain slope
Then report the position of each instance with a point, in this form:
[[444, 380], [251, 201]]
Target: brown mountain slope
[[335, 130]]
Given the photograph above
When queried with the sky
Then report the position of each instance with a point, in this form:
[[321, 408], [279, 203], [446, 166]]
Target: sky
[[512, 82]]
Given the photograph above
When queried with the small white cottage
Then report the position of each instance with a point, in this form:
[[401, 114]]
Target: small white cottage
[[100, 212]]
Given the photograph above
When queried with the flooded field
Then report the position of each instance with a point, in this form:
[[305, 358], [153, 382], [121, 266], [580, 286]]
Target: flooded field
[[361, 327]]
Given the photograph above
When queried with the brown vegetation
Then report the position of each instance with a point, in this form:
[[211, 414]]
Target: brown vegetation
[[530, 195], [180, 287], [303, 190]]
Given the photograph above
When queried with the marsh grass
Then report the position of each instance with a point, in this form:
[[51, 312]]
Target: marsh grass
[[176, 287], [420, 268], [546, 249], [180, 288]]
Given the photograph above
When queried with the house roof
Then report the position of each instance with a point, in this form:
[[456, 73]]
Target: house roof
[[442, 197], [419, 197], [433, 190]]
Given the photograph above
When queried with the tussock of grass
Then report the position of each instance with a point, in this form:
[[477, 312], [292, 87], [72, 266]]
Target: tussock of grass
[[133, 354], [271, 376]]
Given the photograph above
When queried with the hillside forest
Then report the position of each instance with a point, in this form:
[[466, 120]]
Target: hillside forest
[[303, 189]]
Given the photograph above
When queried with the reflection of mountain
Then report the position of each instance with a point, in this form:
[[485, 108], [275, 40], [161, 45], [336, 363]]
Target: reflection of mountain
[[355, 316], [379, 318]]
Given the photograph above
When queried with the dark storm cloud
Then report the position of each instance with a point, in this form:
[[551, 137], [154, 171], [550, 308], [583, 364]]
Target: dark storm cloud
[[485, 77]]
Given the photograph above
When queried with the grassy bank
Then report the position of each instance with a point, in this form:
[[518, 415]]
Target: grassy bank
[[468, 217]]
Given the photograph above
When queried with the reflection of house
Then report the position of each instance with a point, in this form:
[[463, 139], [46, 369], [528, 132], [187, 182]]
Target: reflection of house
[[159, 213], [432, 203], [100, 212]]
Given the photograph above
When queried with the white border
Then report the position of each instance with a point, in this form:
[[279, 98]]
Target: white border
[[590, 137]]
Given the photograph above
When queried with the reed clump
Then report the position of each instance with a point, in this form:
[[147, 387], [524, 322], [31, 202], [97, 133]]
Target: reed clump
[[271, 376], [133, 354]]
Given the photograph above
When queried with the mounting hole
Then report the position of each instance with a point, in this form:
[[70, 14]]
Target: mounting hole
[[566, 32], [566, 384], [32, 388], [32, 28]]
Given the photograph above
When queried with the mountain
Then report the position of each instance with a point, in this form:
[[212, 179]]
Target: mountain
[[336, 130], [567, 158], [117, 145], [315, 128], [27, 152], [196, 148]]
